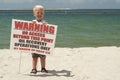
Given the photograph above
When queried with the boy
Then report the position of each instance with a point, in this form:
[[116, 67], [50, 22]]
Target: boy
[[38, 12]]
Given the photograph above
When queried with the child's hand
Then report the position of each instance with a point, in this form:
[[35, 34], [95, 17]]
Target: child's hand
[[44, 23], [34, 22]]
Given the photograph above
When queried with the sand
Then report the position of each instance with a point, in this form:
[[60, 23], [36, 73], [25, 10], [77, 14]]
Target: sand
[[85, 63]]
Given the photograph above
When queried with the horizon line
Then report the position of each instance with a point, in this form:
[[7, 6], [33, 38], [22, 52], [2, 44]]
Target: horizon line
[[62, 9]]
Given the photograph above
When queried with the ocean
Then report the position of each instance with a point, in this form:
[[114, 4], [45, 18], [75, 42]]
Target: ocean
[[76, 28]]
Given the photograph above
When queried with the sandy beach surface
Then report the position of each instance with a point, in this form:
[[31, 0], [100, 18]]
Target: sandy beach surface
[[85, 63]]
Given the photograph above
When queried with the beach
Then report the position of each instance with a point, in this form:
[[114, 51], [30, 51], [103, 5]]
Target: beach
[[83, 63], [87, 46]]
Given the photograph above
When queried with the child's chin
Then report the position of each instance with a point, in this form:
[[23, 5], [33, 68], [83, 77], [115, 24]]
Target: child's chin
[[39, 18]]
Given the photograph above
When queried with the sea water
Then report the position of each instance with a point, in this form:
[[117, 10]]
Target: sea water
[[76, 28]]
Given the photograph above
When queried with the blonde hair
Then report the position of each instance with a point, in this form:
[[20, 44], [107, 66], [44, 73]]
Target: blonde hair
[[38, 6]]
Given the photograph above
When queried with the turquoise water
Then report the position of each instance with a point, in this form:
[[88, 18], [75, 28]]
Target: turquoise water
[[74, 29]]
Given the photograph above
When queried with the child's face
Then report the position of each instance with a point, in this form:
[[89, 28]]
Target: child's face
[[39, 14]]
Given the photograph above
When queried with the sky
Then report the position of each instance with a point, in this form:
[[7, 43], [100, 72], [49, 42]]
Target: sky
[[72, 4]]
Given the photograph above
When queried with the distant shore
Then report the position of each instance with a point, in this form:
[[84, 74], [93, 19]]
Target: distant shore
[[72, 11]]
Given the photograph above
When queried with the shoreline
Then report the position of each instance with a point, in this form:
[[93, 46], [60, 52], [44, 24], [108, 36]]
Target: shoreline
[[77, 47]]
